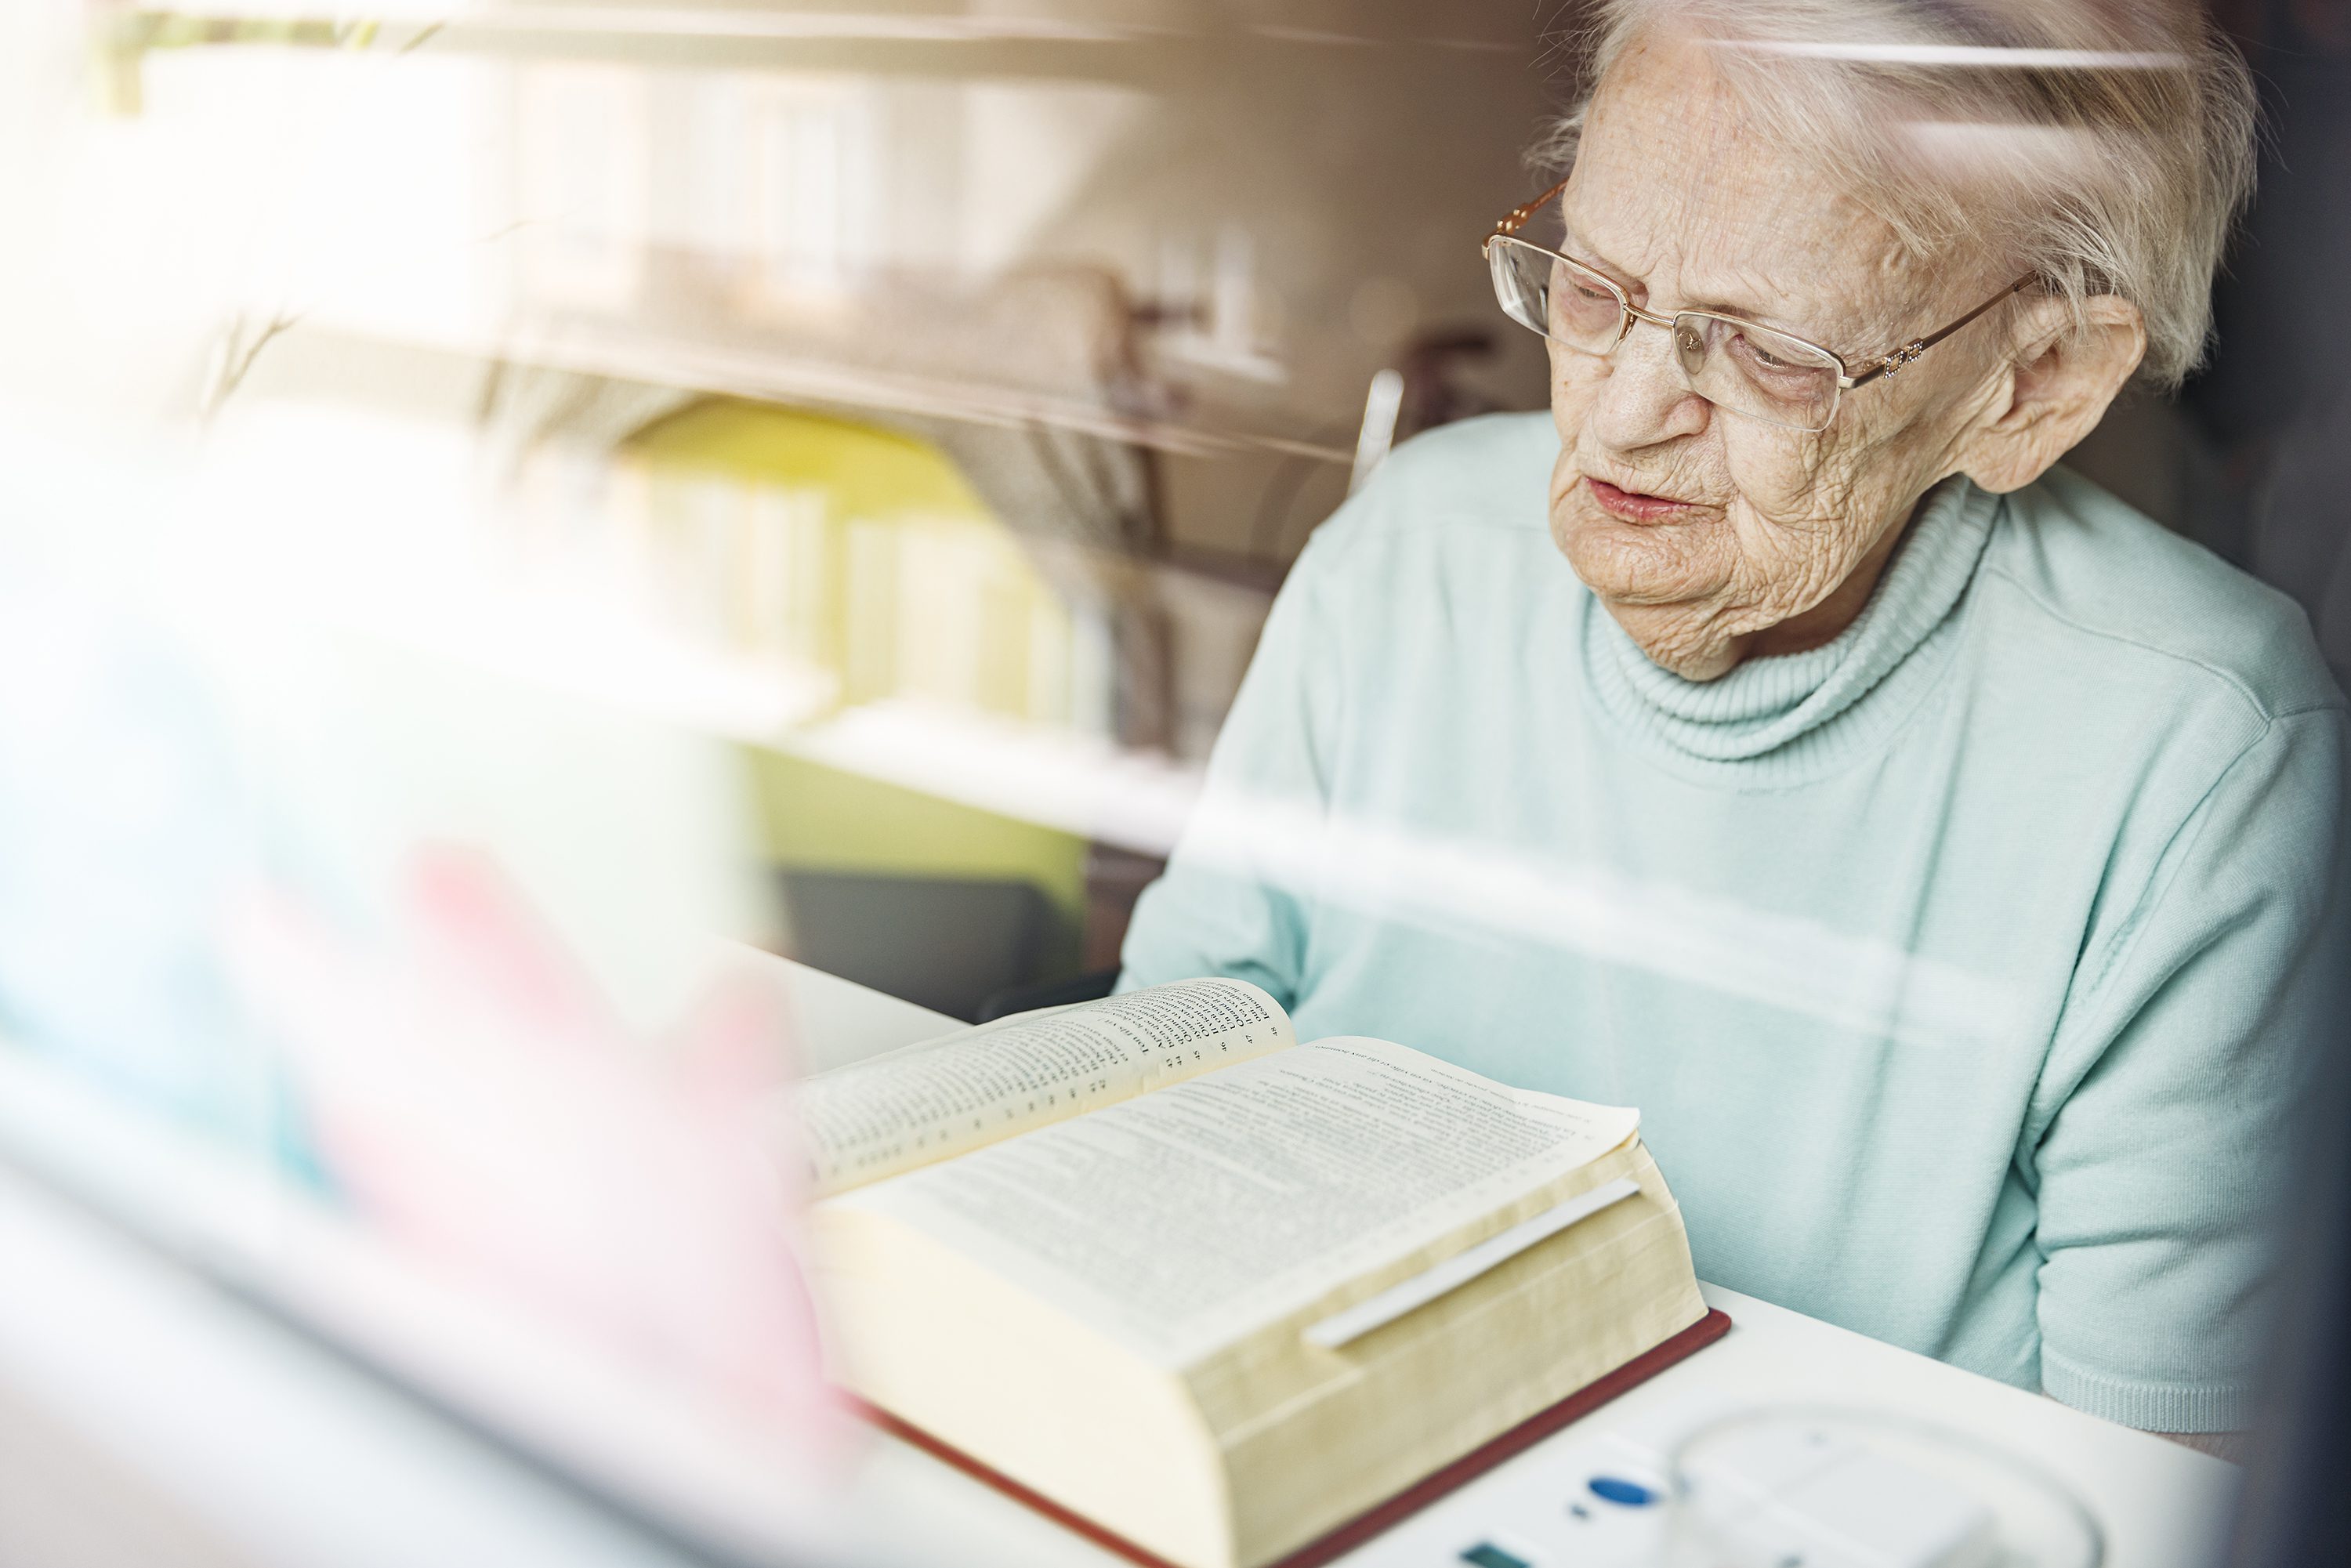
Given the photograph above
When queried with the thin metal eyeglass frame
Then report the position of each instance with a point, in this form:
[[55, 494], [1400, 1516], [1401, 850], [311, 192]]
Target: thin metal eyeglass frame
[[1885, 364]]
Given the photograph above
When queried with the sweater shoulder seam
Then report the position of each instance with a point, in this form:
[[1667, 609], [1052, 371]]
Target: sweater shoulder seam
[[2262, 711]]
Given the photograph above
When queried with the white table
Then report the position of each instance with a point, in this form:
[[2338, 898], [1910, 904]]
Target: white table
[[163, 1411]]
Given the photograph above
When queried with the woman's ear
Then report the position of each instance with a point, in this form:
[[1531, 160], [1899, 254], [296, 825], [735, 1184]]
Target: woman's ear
[[2056, 390]]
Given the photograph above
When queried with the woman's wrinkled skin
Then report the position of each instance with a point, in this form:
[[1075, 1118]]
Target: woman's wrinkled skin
[[1781, 535]]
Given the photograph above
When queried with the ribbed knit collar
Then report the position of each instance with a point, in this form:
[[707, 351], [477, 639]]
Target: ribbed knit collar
[[1773, 720]]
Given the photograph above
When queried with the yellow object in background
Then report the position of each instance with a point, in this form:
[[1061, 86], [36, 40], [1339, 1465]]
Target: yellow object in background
[[860, 552], [864, 553], [820, 819], [866, 471]]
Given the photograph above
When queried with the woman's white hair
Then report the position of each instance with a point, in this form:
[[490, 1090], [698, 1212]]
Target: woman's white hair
[[2106, 145]]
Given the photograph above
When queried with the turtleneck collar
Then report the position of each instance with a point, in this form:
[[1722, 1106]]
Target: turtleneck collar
[[1771, 720]]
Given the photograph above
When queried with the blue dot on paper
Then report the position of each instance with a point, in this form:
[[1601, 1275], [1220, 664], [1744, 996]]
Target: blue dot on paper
[[1616, 1488]]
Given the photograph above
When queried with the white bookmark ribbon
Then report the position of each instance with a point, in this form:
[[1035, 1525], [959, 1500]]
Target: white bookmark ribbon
[[1377, 1311]]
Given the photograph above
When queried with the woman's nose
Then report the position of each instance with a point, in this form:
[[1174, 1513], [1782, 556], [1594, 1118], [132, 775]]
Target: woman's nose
[[1642, 397]]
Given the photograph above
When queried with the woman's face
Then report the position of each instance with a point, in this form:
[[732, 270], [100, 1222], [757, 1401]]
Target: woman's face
[[1703, 531]]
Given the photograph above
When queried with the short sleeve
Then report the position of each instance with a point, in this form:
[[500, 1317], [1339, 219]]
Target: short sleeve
[[1237, 895], [2158, 1172]]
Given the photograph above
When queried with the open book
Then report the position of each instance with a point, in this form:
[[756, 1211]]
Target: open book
[[1215, 1290]]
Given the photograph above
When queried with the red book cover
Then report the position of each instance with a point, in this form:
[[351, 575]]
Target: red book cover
[[1387, 1515]]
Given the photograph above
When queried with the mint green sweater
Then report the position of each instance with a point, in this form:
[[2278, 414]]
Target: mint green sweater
[[1957, 967]]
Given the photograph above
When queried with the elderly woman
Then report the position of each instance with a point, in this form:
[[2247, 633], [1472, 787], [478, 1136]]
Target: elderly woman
[[1774, 739]]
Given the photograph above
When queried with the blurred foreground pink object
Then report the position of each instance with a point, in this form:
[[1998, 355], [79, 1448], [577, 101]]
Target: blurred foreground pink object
[[478, 1098]]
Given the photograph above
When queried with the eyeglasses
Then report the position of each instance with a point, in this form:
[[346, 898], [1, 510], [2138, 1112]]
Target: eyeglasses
[[1758, 371]]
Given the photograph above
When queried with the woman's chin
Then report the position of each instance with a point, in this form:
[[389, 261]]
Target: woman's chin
[[1630, 565]]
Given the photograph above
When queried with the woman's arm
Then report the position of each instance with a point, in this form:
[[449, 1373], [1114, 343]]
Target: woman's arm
[[1238, 897], [2158, 1176]]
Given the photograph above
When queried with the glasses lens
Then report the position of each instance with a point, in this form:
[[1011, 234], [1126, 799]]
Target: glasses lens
[[1756, 372], [1548, 294]]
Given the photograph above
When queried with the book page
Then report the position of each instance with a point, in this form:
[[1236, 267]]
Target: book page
[[1179, 1221], [935, 1100]]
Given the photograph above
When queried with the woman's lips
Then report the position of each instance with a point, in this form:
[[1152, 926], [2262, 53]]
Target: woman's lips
[[1633, 507]]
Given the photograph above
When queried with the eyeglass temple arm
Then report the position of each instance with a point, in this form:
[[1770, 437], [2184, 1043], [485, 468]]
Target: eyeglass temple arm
[[1917, 346], [1516, 219]]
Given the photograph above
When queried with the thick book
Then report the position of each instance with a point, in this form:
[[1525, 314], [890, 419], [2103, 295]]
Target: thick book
[[1218, 1293], [1381, 1517]]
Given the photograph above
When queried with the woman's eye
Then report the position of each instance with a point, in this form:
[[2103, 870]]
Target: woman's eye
[[1763, 359]]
